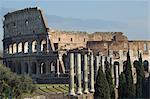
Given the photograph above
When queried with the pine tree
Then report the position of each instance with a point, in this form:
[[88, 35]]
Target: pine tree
[[140, 77], [102, 90], [122, 86], [130, 88], [110, 79]]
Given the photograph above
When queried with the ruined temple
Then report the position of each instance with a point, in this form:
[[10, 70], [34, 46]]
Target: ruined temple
[[31, 47]]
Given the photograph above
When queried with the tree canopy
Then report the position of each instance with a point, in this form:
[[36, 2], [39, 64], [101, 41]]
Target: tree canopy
[[12, 85]]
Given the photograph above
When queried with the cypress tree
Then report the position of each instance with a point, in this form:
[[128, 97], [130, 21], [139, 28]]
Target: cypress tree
[[109, 79], [130, 88], [140, 77], [101, 87], [122, 86]]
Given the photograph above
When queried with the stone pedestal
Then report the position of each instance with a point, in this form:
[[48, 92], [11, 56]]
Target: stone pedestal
[[83, 96]]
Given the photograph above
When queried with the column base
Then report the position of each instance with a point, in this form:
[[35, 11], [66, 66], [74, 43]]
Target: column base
[[86, 91], [92, 90], [72, 93], [79, 92]]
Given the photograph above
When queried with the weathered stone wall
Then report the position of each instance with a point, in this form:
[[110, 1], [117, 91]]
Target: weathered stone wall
[[24, 22]]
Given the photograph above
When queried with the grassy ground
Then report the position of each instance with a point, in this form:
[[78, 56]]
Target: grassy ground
[[53, 88]]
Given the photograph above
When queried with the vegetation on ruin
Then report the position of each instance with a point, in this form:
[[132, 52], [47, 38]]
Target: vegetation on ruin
[[110, 79], [102, 90], [14, 86]]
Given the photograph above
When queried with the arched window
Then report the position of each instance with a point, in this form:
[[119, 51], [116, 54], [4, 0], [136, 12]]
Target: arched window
[[10, 49], [26, 47], [20, 47], [34, 46], [43, 46], [14, 48]]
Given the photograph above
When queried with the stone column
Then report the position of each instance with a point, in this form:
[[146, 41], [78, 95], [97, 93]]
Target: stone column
[[38, 46], [71, 84], [103, 63], [30, 47], [79, 86], [97, 63], [92, 73], [29, 67], [37, 68], [47, 67], [117, 76], [58, 73], [85, 74]]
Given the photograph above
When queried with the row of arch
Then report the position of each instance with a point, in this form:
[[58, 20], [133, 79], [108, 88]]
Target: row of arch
[[25, 47], [33, 68]]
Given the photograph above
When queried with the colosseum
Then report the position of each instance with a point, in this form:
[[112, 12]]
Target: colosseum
[[31, 47]]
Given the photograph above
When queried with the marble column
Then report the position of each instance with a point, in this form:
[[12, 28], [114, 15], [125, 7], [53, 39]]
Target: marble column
[[97, 63], [103, 64], [79, 86], [71, 84], [85, 75], [117, 75], [91, 73]]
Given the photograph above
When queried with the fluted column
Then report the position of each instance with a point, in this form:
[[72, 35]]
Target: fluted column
[[71, 84], [91, 73], [85, 74], [79, 86]]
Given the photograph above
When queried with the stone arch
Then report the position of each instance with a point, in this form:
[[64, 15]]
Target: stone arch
[[146, 65], [33, 68], [34, 46], [52, 67], [20, 47], [14, 48], [26, 49], [42, 68], [26, 68], [43, 45], [136, 63]]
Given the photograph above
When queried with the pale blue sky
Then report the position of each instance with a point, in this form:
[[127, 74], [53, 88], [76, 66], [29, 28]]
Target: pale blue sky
[[129, 16]]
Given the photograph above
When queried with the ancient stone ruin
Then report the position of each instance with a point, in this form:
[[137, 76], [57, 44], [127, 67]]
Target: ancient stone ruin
[[31, 47]]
